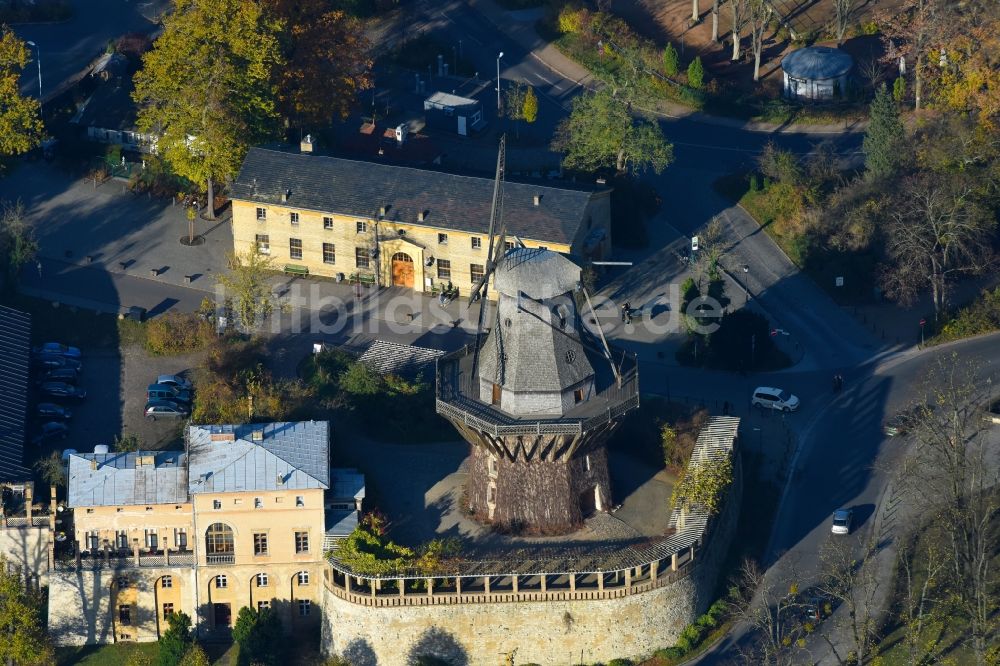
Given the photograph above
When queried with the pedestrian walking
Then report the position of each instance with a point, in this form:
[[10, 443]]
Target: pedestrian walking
[[627, 313]]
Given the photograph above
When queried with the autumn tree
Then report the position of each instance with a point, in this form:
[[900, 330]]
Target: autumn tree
[[704, 484], [513, 107], [850, 577], [938, 229], [529, 111], [883, 144], [740, 15], [843, 14], [22, 635], [601, 131], [771, 612], [52, 469], [20, 117], [327, 61], [758, 17], [206, 89], [952, 478], [246, 286], [914, 32]]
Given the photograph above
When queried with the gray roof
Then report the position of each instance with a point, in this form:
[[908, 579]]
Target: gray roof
[[288, 456], [15, 346], [535, 273], [817, 63], [443, 99], [110, 107], [347, 483], [450, 201], [340, 523], [116, 479], [538, 354], [397, 359]]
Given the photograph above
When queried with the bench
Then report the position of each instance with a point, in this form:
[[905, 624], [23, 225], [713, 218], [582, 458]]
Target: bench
[[362, 278], [294, 269]]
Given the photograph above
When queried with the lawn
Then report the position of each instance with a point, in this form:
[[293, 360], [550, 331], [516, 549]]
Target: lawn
[[108, 655]]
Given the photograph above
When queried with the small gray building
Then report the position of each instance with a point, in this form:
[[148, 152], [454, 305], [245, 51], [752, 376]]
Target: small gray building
[[454, 114], [816, 73]]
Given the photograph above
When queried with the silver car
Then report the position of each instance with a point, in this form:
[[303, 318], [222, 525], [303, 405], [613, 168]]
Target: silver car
[[842, 521]]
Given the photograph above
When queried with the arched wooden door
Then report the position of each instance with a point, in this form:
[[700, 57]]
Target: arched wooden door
[[402, 270]]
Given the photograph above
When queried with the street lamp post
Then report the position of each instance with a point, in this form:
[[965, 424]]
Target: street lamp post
[[498, 82], [746, 283], [38, 58]]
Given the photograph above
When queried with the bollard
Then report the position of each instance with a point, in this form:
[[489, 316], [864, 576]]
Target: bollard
[[187, 279], [153, 272], [123, 265]]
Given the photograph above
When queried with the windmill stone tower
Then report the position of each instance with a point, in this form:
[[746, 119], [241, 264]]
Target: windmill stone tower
[[537, 398]]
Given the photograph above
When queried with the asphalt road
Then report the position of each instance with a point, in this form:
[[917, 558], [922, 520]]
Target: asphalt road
[[69, 46]]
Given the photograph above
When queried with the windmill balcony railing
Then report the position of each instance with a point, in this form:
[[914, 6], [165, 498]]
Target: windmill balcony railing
[[458, 399]]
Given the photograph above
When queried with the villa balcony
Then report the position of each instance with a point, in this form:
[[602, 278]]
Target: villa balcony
[[458, 398], [220, 559]]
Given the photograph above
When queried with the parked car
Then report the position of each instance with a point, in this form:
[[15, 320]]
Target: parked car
[[773, 398], [50, 411], [52, 361], [58, 349], [174, 380], [167, 392], [50, 431], [68, 375], [166, 409], [842, 521], [62, 390]]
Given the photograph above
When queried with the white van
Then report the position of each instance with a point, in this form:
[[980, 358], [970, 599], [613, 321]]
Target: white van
[[772, 398]]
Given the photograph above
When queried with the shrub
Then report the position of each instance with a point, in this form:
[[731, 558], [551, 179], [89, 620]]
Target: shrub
[[177, 333], [573, 19], [671, 60], [669, 653], [899, 89], [689, 638], [620, 662], [982, 316], [696, 74]]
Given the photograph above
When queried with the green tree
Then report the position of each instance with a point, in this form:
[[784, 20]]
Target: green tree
[[52, 469], [20, 122], [17, 240], [176, 641], [127, 443], [601, 132], [899, 90], [206, 88], [259, 636], [696, 74], [704, 484], [671, 61], [328, 61], [247, 287], [360, 381], [22, 637], [883, 144], [529, 110]]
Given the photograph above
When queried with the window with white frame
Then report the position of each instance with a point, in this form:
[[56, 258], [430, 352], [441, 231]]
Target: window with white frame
[[263, 605], [444, 269], [261, 214], [221, 582], [329, 253], [303, 577], [262, 580], [294, 218], [167, 582], [361, 257], [263, 242], [477, 242], [327, 222], [295, 248], [361, 226], [305, 607], [476, 270]]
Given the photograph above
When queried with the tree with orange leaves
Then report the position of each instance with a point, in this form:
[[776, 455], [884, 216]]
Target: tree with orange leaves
[[327, 62]]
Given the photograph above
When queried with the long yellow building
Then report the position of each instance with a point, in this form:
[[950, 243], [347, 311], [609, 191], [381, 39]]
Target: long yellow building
[[401, 226], [237, 519]]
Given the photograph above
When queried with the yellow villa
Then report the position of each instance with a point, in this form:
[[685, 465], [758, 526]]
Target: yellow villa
[[239, 518], [401, 226]]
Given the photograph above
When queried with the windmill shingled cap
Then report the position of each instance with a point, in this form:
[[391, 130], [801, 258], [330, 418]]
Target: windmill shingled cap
[[536, 273]]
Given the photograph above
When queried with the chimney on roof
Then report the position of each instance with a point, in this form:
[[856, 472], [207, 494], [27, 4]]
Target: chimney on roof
[[285, 195], [421, 216], [280, 480], [306, 145], [381, 211], [93, 463], [257, 436], [538, 199], [223, 437]]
